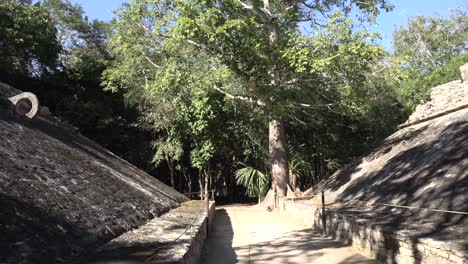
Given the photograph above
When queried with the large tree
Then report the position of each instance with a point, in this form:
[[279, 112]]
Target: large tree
[[281, 57], [428, 42], [171, 84], [287, 54]]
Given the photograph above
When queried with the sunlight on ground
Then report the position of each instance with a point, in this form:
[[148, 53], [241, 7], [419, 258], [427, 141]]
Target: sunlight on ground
[[249, 234]]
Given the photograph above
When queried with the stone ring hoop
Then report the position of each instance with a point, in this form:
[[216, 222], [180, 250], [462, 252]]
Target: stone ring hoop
[[29, 97]]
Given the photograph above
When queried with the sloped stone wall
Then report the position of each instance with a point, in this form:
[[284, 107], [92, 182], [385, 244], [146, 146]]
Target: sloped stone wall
[[407, 201], [375, 240], [62, 195]]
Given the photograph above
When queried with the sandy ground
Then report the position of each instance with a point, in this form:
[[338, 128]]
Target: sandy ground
[[249, 234]]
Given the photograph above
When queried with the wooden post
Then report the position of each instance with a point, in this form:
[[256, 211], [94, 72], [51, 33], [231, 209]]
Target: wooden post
[[324, 217], [207, 212], [275, 197]]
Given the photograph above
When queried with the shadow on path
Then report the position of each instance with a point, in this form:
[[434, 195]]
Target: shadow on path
[[219, 244], [244, 234], [302, 246]]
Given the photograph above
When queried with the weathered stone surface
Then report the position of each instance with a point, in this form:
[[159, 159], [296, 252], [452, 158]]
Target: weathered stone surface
[[421, 167], [457, 259], [464, 72], [176, 237], [444, 97], [32, 100], [8, 91], [392, 246], [62, 195]]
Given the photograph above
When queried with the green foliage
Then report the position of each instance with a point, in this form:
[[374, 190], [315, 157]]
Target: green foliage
[[274, 60], [171, 83], [427, 53], [208, 76], [416, 90], [427, 43], [65, 75], [255, 181], [28, 44], [195, 83]]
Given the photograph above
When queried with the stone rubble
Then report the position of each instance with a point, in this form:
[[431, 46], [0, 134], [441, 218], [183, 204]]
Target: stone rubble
[[443, 98]]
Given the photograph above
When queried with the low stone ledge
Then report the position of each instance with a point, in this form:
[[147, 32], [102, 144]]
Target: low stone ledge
[[375, 240], [175, 237]]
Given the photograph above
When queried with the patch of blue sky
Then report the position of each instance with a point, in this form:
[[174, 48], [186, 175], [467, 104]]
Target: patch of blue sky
[[385, 24]]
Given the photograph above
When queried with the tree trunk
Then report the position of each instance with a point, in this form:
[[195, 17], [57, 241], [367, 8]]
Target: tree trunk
[[207, 184], [189, 181], [293, 182], [200, 183], [180, 182], [278, 157], [232, 179], [170, 164]]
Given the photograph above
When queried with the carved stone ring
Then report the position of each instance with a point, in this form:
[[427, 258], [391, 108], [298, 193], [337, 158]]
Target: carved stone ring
[[29, 97]]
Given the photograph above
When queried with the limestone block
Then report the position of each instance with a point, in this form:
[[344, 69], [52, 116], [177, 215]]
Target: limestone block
[[434, 259], [377, 235], [457, 259], [464, 72], [458, 253], [405, 251], [421, 249], [400, 258]]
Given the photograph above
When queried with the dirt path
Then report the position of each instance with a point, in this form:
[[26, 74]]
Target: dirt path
[[248, 234]]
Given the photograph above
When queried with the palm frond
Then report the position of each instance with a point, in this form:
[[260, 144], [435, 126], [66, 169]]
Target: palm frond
[[253, 180]]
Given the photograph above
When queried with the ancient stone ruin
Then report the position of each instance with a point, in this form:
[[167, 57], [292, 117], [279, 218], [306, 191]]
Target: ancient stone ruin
[[406, 202], [63, 196], [65, 199]]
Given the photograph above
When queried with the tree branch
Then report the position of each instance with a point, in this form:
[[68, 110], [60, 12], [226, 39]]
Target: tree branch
[[262, 11], [240, 97], [266, 8], [246, 6], [293, 4], [152, 63], [381, 69], [303, 105], [332, 57], [194, 43], [312, 106]]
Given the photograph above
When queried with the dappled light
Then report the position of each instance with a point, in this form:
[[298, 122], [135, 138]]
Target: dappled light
[[246, 234], [233, 131]]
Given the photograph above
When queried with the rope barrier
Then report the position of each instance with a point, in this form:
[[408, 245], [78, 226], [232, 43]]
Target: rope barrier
[[423, 208], [400, 206]]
